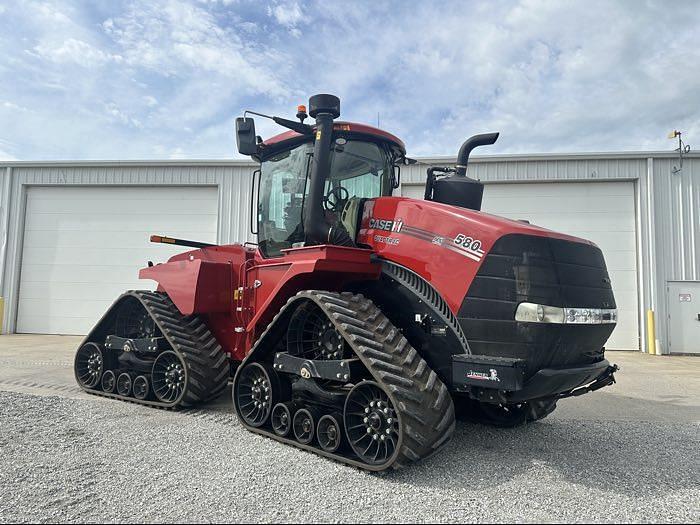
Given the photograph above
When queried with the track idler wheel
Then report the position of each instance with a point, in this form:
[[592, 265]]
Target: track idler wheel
[[124, 383], [169, 377], [282, 419], [255, 393], [88, 365], [304, 425], [329, 432], [141, 388], [109, 382], [371, 422]]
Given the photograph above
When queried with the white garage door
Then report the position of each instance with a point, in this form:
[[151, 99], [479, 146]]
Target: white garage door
[[602, 212], [83, 247]]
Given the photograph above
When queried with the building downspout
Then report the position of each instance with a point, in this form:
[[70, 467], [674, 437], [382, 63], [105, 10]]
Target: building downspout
[[5, 232], [653, 346]]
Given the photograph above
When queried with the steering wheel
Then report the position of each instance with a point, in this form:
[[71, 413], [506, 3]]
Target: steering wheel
[[335, 199]]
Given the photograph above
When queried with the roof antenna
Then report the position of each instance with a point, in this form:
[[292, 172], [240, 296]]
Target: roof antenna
[[682, 149]]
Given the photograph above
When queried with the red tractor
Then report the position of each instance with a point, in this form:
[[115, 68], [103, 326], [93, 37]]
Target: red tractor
[[361, 323]]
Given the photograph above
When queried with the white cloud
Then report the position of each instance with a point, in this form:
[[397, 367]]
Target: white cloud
[[75, 51], [182, 40], [167, 77], [287, 14], [4, 153], [117, 115]]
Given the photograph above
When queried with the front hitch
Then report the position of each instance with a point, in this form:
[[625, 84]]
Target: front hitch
[[605, 379]]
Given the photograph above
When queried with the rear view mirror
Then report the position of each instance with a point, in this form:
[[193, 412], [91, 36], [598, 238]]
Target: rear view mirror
[[245, 136]]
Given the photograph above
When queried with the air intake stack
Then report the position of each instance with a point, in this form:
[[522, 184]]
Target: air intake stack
[[457, 189]]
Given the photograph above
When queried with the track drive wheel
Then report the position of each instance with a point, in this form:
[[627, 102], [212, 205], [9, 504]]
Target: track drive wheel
[[372, 423], [88, 365], [255, 393]]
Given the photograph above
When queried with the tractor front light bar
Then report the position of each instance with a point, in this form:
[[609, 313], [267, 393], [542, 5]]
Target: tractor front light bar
[[539, 313]]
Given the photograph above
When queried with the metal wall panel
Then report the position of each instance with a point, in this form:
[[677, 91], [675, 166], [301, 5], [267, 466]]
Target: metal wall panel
[[495, 169], [673, 238], [668, 206], [232, 180]]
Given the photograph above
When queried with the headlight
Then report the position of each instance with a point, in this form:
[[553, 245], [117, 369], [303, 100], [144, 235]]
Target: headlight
[[539, 313]]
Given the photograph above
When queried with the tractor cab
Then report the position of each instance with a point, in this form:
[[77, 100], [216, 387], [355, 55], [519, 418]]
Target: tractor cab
[[354, 163]]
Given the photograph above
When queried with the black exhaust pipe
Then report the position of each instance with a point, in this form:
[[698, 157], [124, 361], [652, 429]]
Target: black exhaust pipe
[[485, 139]]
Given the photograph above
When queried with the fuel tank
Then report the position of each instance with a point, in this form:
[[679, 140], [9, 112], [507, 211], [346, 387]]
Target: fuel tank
[[485, 266]]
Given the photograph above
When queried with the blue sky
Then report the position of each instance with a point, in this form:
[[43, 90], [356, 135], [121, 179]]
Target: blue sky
[[166, 78]]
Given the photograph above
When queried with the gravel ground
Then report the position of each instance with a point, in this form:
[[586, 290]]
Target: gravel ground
[[90, 460]]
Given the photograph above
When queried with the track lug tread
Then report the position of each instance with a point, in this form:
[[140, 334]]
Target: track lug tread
[[422, 401], [206, 362]]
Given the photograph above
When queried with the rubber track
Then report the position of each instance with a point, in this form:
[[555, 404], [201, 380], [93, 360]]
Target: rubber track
[[423, 403], [207, 364]]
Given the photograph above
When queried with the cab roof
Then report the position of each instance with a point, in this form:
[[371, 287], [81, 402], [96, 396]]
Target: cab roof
[[350, 127]]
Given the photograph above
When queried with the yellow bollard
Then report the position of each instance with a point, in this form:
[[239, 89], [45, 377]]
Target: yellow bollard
[[651, 333]]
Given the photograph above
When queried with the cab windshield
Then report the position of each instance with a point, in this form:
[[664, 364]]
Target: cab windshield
[[358, 169]]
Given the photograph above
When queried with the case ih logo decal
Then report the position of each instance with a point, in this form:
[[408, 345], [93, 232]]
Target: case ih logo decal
[[386, 224]]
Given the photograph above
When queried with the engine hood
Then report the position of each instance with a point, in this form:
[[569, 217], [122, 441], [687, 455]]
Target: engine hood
[[444, 244]]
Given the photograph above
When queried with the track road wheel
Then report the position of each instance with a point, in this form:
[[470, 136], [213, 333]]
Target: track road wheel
[[141, 387], [169, 377], [255, 393], [109, 381], [282, 419], [372, 423], [329, 433], [88, 365], [304, 424], [124, 384]]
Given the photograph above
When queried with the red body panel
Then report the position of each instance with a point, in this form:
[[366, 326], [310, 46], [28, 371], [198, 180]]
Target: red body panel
[[238, 292], [342, 126], [422, 236]]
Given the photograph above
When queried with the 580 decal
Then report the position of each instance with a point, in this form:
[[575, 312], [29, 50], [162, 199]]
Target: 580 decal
[[468, 242], [467, 246]]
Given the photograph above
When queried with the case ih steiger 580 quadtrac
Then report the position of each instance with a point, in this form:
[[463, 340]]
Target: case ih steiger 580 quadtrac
[[361, 322]]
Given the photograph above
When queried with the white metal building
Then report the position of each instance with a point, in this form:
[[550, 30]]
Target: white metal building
[[74, 234]]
